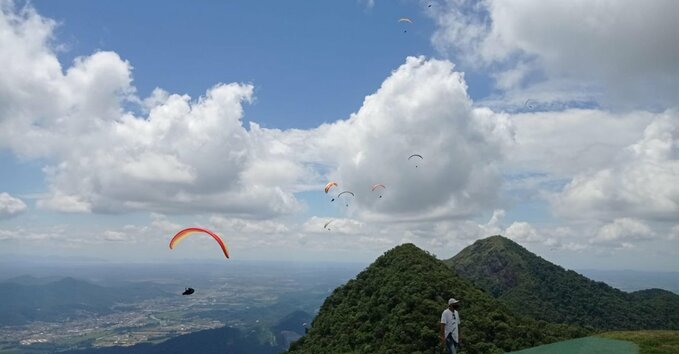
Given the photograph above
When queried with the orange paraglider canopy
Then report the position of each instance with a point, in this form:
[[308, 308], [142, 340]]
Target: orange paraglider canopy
[[192, 230], [329, 186]]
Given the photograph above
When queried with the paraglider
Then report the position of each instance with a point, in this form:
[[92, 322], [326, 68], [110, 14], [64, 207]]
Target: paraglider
[[405, 19], [528, 104], [415, 155], [188, 291], [377, 186], [345, 192], [328, 187], [325, 226], [192, 230]]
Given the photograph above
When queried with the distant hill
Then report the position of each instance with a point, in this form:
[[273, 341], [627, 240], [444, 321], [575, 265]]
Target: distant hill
[[26, 299], [394, 306], [30, 280], [532, 286], [634, 280]]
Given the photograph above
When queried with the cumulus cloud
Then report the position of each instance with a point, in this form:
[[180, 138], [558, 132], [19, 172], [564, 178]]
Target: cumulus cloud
[[116, 236], [421, 108], [640, 182], [572, 141], [21, 234], [623, 233], [345, 226], [10, 206], [184, 155], [195, 155], [162, 223], [522, 232], [623, 49], [249, 227]]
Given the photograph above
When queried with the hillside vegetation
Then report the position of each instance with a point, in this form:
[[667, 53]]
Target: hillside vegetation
[[532, 286], [395, 304]]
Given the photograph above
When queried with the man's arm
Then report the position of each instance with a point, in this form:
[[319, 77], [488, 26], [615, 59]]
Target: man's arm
[[441, 332]]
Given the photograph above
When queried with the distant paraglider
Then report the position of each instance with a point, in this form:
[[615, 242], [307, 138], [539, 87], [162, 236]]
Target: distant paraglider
[[405, 19], [530, 104], [188, 291], [415, 155], [377, 186], [343, 193], [325, 226], [192, 230], [328, 187]]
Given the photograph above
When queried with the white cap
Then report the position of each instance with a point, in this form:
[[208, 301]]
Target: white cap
[[452, 301]]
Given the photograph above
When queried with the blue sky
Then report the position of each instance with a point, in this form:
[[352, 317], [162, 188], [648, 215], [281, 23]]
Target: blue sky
[[310, 62], [100, 149]]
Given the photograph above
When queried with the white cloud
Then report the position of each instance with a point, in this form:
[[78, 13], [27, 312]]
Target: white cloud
[[65, 203], [421, 108], [627, 50], [195, 155], [161, 222], [116, 236], [333, 226], [522, 232], [10, 206], [186, 155], [253, 228], [569, 142], [640, 182], [623, 232]]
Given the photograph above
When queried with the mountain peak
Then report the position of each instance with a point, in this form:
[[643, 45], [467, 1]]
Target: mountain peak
[[395, 304], [532, 286], [499, 242]]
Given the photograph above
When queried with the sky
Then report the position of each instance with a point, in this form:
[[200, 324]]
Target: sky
[[552, 123]]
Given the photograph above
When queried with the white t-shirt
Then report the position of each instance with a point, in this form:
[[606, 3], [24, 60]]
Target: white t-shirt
[[450, 321]]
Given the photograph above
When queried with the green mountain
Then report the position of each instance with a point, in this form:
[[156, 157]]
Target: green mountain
[[534, 287], [394, 306]]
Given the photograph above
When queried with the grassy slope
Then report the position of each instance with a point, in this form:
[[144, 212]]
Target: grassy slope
[[650, 342]]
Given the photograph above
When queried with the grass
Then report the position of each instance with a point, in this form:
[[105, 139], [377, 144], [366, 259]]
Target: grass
[[585, 345], [650, 342]]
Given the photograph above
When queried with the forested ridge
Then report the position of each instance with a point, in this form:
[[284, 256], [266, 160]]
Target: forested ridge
[[531, 286], [395, 304]]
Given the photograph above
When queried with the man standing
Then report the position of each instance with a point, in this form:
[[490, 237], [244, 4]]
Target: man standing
[[449, 334]]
